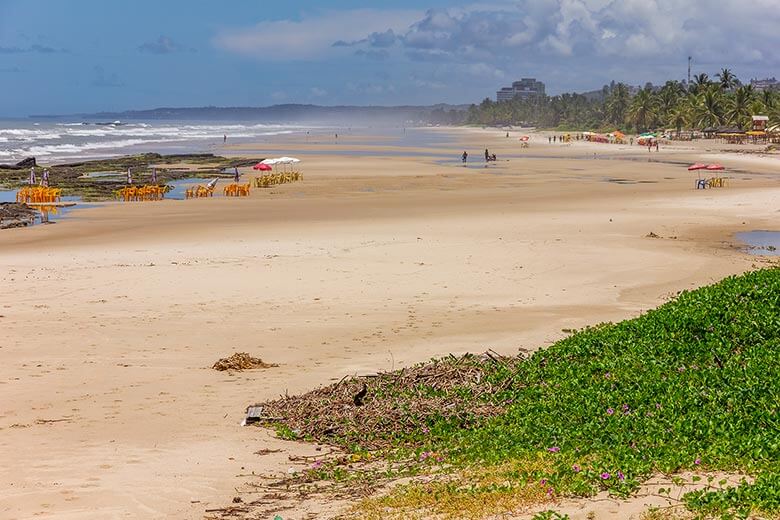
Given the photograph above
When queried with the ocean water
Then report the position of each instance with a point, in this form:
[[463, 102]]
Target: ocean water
[[61, 141], [52, 142]]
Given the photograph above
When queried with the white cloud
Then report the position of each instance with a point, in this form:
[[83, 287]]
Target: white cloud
[[312, 36], [592, 29]]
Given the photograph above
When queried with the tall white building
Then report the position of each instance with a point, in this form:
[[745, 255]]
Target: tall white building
[[526, 88], [765, 84]]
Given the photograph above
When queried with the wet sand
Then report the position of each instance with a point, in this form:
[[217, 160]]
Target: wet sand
[[111, 319]]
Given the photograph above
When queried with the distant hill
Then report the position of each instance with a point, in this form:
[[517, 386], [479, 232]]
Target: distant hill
[[292, 113]]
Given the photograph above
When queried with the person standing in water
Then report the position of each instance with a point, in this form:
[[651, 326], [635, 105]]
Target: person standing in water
[[224, 139], [465, 156]]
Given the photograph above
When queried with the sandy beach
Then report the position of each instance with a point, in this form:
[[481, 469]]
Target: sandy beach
[[385, 255]]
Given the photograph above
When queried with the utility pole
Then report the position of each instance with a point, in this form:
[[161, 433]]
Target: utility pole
[[689, 71]]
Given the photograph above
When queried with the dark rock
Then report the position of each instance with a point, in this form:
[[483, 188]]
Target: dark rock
[[15, 215], [27, 163]]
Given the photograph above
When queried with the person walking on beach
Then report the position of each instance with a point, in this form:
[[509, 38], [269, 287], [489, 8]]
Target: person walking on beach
[[632, 141], [549, 139], [236, 176], [656, 145], [224, 139], [45, 179], [487, 155], [465, 156]]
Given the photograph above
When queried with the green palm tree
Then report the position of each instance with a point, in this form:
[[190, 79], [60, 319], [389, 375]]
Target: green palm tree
[[643, 110], [668, 98], [617, 104], [727, 79], [700, 82], [708, 108], [738, 106], [768, 98], [679, 117]]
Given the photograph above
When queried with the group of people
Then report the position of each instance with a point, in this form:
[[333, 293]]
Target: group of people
[[488, 156], [44, 178]]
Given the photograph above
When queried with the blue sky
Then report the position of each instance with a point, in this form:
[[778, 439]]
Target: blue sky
[[73, 56]]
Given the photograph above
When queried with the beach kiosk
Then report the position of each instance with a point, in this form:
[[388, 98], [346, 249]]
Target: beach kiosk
[[760, 123]]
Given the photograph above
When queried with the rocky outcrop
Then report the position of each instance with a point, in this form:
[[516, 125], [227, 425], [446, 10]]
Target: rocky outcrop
[[27, 163], [24, 163], [14, 215]]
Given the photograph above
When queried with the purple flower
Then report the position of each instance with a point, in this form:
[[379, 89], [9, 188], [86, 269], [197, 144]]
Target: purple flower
[[425, 429], [576, 468], [605, 476], [317, 464], [424, 455], [657, 406], [554, 449], [621, 476], [610, 411], [681, 369], [697, 461], [607, 375], [543, 482], [625, 407]]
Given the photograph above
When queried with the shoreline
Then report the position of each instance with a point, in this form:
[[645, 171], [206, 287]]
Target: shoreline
[[370, 263]]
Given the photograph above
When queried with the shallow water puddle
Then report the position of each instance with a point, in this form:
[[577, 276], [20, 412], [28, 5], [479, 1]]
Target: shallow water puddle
[[761, 242]]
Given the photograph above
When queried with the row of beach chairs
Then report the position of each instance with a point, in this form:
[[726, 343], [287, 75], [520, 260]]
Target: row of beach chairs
[[272, 179], [713, 182], [38, 194], [141, 193]]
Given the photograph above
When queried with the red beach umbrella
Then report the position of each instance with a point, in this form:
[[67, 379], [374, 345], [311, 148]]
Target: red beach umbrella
[[715, 167], [262, 167], [525, 138], [697, 166]]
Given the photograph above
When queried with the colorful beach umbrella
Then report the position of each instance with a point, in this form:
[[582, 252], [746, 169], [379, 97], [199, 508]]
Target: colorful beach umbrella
[[712, 167], [697, 166], [262, 167]]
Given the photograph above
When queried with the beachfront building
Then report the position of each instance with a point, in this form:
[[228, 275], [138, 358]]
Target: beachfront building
[[765, 84], [760, 123], [526, 88]]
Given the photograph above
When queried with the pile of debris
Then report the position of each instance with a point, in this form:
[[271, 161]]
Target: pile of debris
[[241, 361], [13, 215], [370, 411]]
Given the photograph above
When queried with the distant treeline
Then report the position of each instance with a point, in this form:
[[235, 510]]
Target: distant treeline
[[294, 113], [701, 104]]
